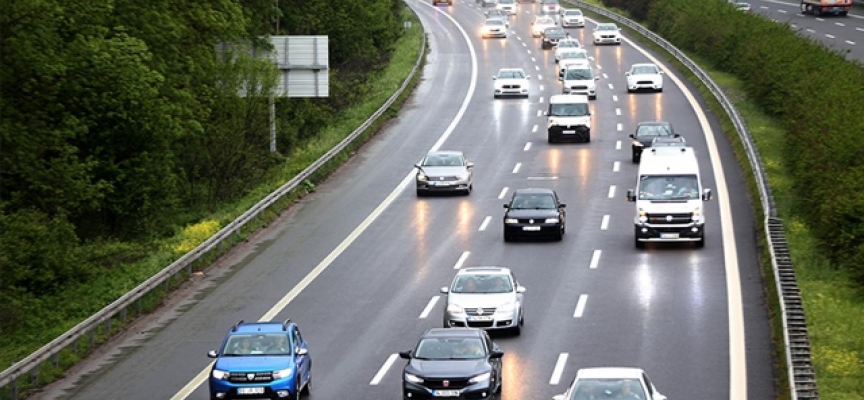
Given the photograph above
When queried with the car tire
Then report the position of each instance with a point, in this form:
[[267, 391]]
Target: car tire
[[639, 245], [559, 236], [298, 390], [660, 90], [420, 193], [594, 97], [508, 238], [700, 243], [635, 157], [630, 90], [588, 138]]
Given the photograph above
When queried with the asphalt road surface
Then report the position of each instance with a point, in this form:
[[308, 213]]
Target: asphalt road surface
[[357, 263]]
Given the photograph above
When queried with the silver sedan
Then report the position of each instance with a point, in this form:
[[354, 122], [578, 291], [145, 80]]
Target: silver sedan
[[444, 171], [486, 298]]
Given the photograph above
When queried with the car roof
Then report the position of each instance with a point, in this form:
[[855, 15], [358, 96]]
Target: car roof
[[533, 191], [444, 153], [609, 372], [654, 123], [452, 332], [606, 24], [496, 20], [261, 327], [568, 98], [483, 270]]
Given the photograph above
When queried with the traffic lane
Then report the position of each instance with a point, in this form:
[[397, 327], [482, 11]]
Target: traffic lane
[[384, 161], [845, 34]]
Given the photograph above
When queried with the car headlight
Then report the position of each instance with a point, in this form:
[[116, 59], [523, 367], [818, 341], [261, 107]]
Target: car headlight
[[282, 373], [511, 221], [552, 220], [697, 213], [552, 121], [463, 176], [422, 177], [480, 378], [455, 309], [413, 378], [506, 308], [643, 216], [221, 375]]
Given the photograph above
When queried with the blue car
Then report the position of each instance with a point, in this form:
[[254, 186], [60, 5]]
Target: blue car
[[261, 360]]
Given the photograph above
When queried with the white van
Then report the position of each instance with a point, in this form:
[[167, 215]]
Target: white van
[[668, 197], [568, 118]]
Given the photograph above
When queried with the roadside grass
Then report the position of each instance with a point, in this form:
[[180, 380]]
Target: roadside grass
[[57, 314], [833, 304]]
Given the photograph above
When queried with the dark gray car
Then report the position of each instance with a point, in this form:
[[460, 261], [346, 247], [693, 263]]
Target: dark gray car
[[645, 134], [444, 171], [551, 36]]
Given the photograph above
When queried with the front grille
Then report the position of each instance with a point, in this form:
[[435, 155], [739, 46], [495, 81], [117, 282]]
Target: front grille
[[443, 178], [607, 36], [250, 377], [644, 82], [486, 311], [670, 219], [438, 383], [512, 86], [480, 324]]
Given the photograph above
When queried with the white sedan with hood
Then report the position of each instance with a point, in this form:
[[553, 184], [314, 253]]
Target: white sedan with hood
[[644, 76], [511, 82]]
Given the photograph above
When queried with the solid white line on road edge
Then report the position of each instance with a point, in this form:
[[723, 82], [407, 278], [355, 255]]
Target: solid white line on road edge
[[617, 145], [595, 259], [617, 111], [461, 259], [735, 306], [485, 223], [850, 42], [580, 306], [387, 364], [559, 369], [829, 36], [619, 127], [612, 191], [516, 168], [503, 193], [534, 129], [527, 146], [199, 379], [614, 97], [604, 224], [616, 166], [429, 307]]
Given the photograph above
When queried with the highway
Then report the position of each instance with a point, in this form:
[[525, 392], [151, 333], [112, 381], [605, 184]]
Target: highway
[[357, 263], [845, 34]]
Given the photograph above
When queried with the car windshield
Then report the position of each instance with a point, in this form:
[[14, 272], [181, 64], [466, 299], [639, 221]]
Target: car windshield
[[505, 2], [511, 74], [257, 344], [483, 283], [575, 55], [606, 28], [533, 202], [568, 44], [555, 32], [550, 1], [450, 348], [643, 70], [579, 74], [668, 187], [573, 13], [443, 160], [545, 21], [494, 21], [568, 110], [607, 389], [653, 131]]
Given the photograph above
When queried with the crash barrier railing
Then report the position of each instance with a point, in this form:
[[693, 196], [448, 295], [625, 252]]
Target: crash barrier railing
[[802, 374], [222, 240]]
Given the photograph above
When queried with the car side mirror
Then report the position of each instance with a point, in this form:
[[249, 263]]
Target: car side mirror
[[661, 72], [212, 354], [527, 76], [627, 73], [559, 397], [632, 136], [562, 205], [445, 289], [545, 113], [631, 195], [596, 78], [706, 195], [506, 206], [676, 135], [496, 354], [405, 354], [469, 165], [494, 78], [302, 352], [520, 289]]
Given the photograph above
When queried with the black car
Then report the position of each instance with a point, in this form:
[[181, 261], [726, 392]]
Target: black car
[[645, 134], [534, 212], [456, 363], [551, 36]]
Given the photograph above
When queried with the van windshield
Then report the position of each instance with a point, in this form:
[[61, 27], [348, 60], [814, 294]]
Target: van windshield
[[568, 110], [668, 187]]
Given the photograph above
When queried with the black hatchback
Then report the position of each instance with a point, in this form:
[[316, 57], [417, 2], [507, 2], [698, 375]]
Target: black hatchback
[[645, 134], [534, 212], [455, 363]]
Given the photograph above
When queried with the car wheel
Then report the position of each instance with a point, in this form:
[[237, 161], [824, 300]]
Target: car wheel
[[508, 238], [701, 243], [639, 245], [559, 236], [635, 157], [660, 90], [594, 97], [588, 138], [298, 389], [420, 193]]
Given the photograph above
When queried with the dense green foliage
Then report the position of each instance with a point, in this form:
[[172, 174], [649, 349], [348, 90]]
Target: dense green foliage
[[638, 9], [120, 122]]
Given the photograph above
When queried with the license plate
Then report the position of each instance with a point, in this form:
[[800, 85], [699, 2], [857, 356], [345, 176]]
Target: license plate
[[446, 393], [530, 228], [441, 184], [668, 236], [481, 318], [569, 132], [250, 390]]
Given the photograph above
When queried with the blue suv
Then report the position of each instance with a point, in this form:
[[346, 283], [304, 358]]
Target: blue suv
[[261, 360]]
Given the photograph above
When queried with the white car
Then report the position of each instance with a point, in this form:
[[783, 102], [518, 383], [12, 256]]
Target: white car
[[476, 290], [507, 5], [580, 79], [644, 76], [511, 82], [572, 17], [566, 45], [615, 383], [540, 23], [549, 6], [573, 57], [494, 27], [607, 33]]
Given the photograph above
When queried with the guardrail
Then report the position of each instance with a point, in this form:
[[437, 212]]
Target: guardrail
[[220, 241], [802, 375]]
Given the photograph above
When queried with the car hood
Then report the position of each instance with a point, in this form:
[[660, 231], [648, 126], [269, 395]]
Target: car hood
[[510, 81], [556, 36], [587, 82], [570, 61], [480, 300], [447, 368], [652, 77], [444, 171], [254, 363], [536, 214]]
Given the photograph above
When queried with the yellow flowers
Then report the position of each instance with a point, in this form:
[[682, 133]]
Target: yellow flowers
[[193, 235]]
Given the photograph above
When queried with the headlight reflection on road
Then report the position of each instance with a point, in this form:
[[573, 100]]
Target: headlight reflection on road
[[645, 287], [619, 53], [463, 217], [658, 107], [421, 225], [631, 106], [583, 157], [512, 373], [555, 161]]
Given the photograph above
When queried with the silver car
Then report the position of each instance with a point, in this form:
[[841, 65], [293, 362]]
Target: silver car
[[486, 298], [444, 171]]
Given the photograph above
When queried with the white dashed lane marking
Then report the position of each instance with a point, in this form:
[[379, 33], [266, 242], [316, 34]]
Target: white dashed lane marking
[[429, 307], [527, 146], [559, 369], [612, 191], [604, 224], [617, 145], [461, 260], [614, 97], [619, 127], [534, 129], [516, 168], [616, 166], [485, 223], [580, 306], [503, 192], [387, 364], [595, 259]]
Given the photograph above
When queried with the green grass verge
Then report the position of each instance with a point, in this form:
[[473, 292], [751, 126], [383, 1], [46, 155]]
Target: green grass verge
[[57, 314], [834, 306]]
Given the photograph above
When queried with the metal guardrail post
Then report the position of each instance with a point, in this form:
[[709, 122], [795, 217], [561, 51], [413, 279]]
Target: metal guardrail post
[[802, 374]]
